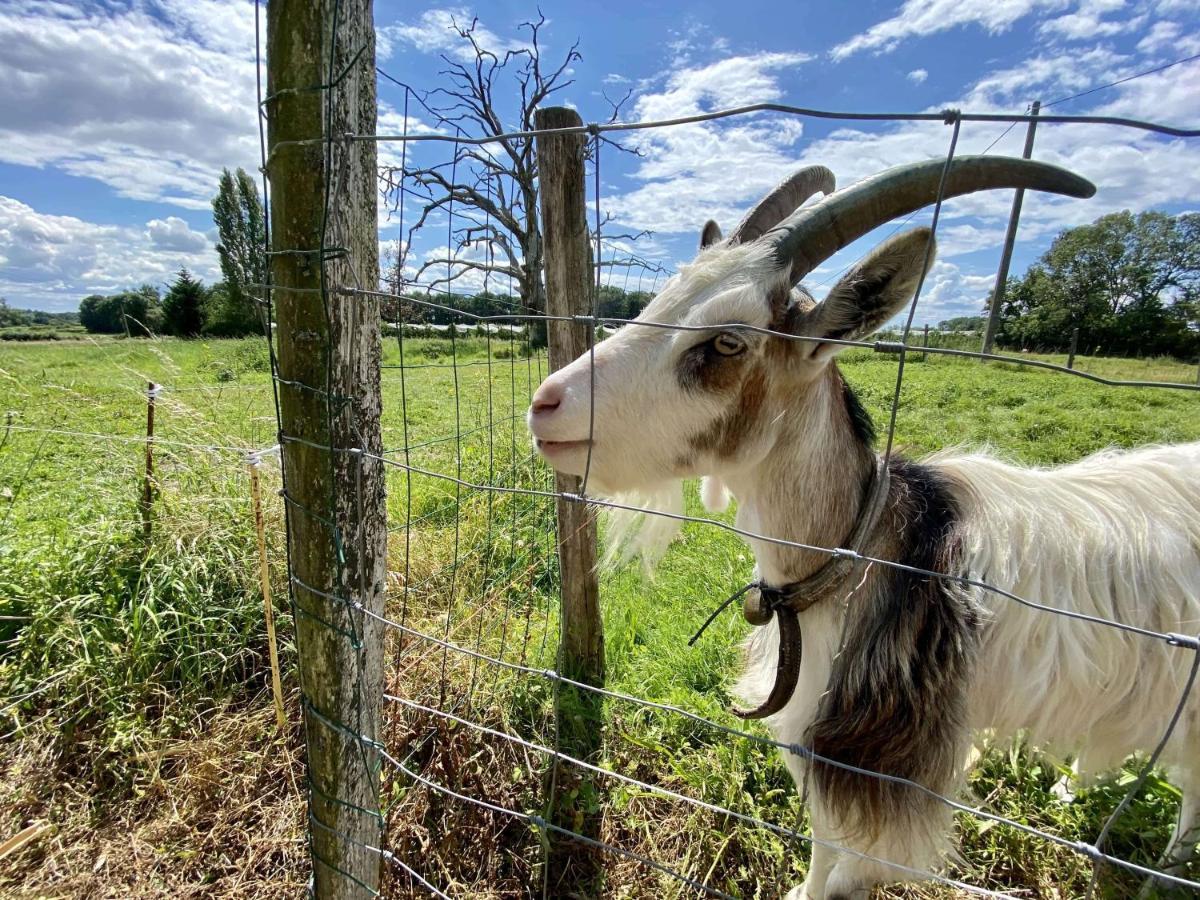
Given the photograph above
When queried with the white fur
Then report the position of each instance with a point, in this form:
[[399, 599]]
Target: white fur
[[1115, 536], [713, 494]]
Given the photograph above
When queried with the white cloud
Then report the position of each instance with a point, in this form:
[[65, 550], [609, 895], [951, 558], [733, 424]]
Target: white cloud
[[1161, 34], [437, 31], [152, 105], [53, 262], [719, 168], [173, 233], [686, 171], [1088, 22], [918, 76], [918, 18]]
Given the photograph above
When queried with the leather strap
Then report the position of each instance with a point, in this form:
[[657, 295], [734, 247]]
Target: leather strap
[[788, 601]]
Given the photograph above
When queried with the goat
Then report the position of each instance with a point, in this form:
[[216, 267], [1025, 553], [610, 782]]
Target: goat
[[898, 670]]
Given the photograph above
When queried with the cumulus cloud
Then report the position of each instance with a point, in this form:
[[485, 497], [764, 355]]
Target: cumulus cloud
[[151, 103], [718, 168], [52, 262], [686, 171], [918, 76], [1089, 21], [919, 18], [172, 233], [436, 31]]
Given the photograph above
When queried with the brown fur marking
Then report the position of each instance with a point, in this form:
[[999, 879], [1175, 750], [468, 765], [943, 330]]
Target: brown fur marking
[[896, 700], [740, 419]]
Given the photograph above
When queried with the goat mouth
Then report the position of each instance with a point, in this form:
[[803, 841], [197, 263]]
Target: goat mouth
[[549, 447]]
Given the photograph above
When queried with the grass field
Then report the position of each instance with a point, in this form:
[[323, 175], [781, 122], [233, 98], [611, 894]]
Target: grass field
[[136, 720]]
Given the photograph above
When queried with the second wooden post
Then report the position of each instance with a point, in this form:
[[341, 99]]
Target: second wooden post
[[568, 271]]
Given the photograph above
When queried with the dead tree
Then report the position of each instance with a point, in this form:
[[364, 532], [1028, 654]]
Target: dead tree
[[491, 188]]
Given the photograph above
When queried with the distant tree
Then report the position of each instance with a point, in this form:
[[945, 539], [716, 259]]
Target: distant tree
[[963, 323], [182, 307], [101, 315], [141, 310], [134, 313], [10, 316], [1128, 283], [238, 215]]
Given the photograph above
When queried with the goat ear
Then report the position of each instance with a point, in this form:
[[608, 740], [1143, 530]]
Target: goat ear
[[877, 288], [710, 235]]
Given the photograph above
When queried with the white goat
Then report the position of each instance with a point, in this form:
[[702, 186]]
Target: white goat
[[898, 670]]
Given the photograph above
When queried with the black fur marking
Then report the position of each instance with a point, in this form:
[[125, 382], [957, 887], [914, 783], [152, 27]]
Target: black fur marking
[[896, 698], [860, 419]]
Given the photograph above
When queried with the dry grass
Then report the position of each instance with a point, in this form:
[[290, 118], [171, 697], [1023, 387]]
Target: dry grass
[[215, 814]]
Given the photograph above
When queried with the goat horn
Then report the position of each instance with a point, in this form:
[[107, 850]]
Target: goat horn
[[782, 202], [787, 672], [811, 235]]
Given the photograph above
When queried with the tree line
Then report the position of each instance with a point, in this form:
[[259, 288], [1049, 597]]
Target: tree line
[[189, 308], [414, 307], [1129, 283]]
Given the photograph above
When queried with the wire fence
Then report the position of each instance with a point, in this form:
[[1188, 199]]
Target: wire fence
[[472, 618], [474, 768]]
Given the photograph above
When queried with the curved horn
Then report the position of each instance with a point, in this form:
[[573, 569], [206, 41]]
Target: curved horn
[[787, 671], [782, 202], [811, 235]]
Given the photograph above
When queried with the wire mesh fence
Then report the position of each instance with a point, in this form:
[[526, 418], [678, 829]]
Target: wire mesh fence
[[474, 768], [481, 791]]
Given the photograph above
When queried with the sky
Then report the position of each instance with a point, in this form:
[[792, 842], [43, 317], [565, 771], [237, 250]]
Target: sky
[[117, 117]]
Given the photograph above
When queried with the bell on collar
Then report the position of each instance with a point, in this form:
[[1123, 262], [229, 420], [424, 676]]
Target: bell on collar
[[756, 609]]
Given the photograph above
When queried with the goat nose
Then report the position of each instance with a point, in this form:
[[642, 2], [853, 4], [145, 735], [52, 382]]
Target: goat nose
[[547, 398]]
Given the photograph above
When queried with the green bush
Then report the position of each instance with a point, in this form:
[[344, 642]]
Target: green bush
[[113, 642]]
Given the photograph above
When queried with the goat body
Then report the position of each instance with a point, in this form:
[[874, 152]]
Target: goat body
[[926, 665], [730, 374]]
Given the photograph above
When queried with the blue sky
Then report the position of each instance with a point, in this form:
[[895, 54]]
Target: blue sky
[[117, 117]]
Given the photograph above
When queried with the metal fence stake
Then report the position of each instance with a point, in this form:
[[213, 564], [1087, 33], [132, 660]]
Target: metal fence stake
[[264, 576]]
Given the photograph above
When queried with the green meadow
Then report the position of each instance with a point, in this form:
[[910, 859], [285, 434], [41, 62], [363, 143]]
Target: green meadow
[[137, 729]]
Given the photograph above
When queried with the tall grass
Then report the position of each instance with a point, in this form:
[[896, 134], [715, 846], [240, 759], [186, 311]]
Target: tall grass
[[115, 653]]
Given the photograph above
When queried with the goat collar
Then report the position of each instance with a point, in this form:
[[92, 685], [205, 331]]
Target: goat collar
[[761, 601]]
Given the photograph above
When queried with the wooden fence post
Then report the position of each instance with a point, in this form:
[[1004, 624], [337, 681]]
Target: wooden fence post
[[324, 246], [1074, 347], [925, 342], [569, 287]]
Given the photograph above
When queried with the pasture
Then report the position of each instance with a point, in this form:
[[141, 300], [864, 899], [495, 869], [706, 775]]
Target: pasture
[[136, 714]]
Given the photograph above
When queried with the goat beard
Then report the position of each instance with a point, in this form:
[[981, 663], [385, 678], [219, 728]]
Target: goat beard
[[631, 534]]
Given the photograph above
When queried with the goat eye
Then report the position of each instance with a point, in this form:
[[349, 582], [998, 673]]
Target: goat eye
[[728, 344]]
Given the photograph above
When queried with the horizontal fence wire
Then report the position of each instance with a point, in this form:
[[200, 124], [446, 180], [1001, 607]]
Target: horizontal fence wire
[[522, 486], [946, 116], [142, 439]]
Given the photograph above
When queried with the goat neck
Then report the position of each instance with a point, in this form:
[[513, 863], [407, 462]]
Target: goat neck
[[807, 487]]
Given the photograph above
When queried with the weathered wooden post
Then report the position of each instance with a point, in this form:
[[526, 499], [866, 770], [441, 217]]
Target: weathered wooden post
[[568, 269], [1074, 347], [925, 342], [320, 95]]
